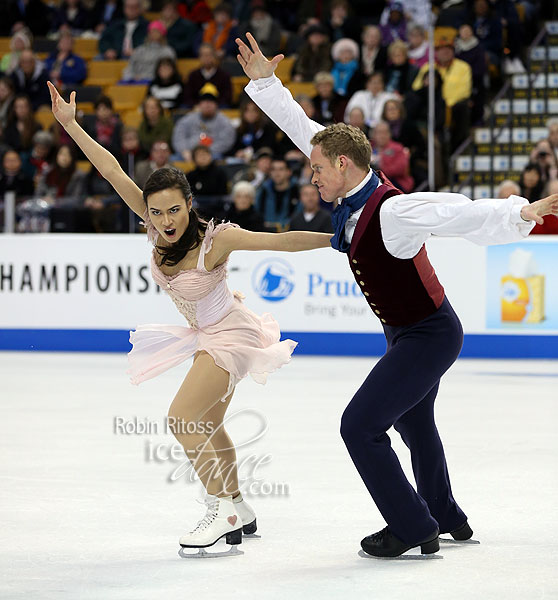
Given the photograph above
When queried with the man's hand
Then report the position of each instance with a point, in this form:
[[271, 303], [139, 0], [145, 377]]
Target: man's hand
[[254, 63], [540, 208]]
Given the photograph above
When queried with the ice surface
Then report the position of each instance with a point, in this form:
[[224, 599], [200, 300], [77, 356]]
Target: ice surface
[[87, 516]]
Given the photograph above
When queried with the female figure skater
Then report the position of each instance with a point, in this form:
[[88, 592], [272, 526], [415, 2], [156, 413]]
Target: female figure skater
[[227, 340]]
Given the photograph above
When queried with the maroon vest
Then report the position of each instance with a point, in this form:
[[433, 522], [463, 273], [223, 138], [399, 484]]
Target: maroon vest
[[399, 291]]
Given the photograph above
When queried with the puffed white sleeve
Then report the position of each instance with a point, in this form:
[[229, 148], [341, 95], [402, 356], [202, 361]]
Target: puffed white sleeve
[[277, 102], [408, 220]]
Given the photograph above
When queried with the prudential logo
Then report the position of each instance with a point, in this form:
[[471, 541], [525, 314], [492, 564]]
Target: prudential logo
[[273, 280]]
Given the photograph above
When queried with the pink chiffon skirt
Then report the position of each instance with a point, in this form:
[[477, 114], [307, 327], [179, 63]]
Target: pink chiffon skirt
[[242, 343]]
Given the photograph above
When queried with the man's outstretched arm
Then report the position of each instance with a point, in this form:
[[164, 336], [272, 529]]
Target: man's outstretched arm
[[267, 91]]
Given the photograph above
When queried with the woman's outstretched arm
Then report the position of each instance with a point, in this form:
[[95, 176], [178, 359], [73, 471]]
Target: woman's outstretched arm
[[101, 158], [291, 241]]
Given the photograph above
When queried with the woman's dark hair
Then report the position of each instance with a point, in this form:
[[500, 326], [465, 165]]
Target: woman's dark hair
[[172, 178], [105, 101], [157, 102], [175, 77], [535, 193]]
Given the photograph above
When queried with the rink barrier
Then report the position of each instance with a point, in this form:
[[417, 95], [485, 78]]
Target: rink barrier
[[309, 343]]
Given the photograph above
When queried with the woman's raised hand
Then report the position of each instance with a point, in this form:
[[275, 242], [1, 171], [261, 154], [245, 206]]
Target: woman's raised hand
[[64, 112], [254, 63]]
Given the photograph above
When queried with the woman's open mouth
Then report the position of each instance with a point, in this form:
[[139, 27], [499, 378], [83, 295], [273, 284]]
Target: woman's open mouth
[[170, 233]]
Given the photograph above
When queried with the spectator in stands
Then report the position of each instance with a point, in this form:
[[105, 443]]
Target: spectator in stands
[[416, 101], [277, 197], [373, 54], [209, 72], [550, 225], [196, 11], [400, 73], [508, 188], [339, 24], [456, 89], [41, 156], [258, 170], [488, 29], [104, 13], [531, 182], [313, 56], [396, 26], [345, 54], [131, 152], [552, 126], [64, 182], [208, 178], [371, 100], [242, 210], [356, 119], [104, 126], [155, 125], [143, 62], [310, 217], [415, 11], [70, 17], [120, 38], [543, 155], [207, 126], [391, 157], [30, 78], [406, 132], [418, 45], [7, 95], [20, 41], [33, 14], [13, 178], [468, 48], [167, 86], [21, 125], [65, 68], [254, 132], [221, 31], [264, 28], [329, 106], [180, 32], [159, 157]]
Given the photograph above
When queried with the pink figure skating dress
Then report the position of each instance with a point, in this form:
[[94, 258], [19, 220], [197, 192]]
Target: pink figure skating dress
[[240, 341]]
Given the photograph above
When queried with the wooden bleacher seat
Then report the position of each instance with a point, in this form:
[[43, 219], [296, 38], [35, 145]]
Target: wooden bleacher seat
[[151, 15], [284, 69], [231, 113], [87, 108], [132, 118], [302, 87], [185, 166], [126, 97], [104, 72], [186, 66], [83, 165], [238, 85], [45, 117], [87, 48], [4, 45]]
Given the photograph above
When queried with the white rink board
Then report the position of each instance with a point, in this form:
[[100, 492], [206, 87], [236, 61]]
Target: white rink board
[[103, 282]]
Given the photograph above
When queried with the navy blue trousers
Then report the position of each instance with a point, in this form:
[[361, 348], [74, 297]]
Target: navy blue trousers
[[400, 392]]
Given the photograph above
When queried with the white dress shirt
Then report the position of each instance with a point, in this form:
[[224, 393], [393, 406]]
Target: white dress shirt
[[406, 220]]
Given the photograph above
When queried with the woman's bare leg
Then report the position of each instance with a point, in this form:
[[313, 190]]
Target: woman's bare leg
[[196, 404]]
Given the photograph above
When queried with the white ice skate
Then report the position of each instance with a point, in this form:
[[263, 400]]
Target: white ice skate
[[221, 520], [248, 518]]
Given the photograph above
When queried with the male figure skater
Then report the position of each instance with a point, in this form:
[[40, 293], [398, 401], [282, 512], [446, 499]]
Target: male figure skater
[[383, 232]]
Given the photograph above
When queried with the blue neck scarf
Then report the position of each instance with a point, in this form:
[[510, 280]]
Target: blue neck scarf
[[350, 205]]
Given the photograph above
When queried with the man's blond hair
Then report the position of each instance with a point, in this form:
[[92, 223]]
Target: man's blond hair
[[341, 139]]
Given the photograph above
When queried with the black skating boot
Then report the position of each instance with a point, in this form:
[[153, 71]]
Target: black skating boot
[[386, 545]]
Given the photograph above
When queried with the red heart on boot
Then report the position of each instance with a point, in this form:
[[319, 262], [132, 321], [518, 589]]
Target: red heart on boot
[[232, 520]]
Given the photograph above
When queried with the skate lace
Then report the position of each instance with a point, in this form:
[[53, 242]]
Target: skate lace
[[379, 535], [210, 516]]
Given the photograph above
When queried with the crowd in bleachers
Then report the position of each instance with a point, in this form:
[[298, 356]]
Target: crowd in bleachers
[[159, 84]]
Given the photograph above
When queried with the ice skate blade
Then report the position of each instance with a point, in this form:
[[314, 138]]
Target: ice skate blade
[[457, 542], [251, 536], [202, 553], [363, 554]]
